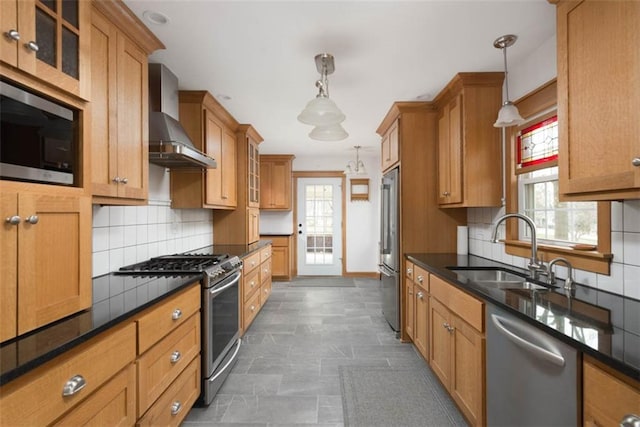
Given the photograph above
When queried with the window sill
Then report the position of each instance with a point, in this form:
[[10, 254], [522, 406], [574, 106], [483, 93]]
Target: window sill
[[593, 261]]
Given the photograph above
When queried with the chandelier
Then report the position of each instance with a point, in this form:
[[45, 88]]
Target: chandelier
[[357, 167]]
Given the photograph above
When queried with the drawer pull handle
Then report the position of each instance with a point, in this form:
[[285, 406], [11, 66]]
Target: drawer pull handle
[[175, 356], [176, 407], [177, 313], [74, 385]]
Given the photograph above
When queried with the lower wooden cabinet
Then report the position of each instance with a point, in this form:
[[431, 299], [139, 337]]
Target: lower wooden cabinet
[[37, 398], [114, 404], [256, 285], [421, 318], [281, 257], [608, 397], [457, 346]]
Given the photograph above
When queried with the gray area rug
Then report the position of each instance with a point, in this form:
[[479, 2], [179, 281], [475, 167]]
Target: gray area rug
[[323, 281], [402, 397]]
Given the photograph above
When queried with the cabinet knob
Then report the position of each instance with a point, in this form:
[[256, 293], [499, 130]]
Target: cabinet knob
[[176, 407], [630, 420], [446, 193], [33, 46], [74, 385], [32, 219], [116, 180], [409, 270], [253, 307], [124, 180], [420, 279], [13, 220], [12, 34], [177, 313], [175, 356], [420, 294], [636, 161]]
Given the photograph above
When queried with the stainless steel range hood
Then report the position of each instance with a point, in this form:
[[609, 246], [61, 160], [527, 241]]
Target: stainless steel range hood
[[169, 144]]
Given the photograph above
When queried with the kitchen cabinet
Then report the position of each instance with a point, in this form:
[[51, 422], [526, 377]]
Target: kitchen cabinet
[[119, 108], [390, 155], [421, 312], [242, 225], [422, 225], [255, 285], [93, 363], [598, 59], [49, 40], [168, 362], [457, 346], [212, 130], [409, 289], [608, 396], [469, 146], [281, 256], [276, 182], [46, 259]]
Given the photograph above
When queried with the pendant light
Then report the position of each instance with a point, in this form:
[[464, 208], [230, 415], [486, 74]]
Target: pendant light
[[357, 167], [321, 111], [508, 114]]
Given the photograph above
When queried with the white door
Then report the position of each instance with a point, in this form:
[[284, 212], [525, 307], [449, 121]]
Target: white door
[[319, 226]]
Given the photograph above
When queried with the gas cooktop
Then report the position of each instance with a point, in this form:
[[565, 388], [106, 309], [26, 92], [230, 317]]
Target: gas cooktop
[[169, 265]]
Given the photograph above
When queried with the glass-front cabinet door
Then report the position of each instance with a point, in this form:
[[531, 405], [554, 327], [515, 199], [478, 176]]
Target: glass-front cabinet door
[[254, 174], [49, 39]]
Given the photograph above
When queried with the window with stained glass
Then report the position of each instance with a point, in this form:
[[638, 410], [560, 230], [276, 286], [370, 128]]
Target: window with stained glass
[[538, 144]]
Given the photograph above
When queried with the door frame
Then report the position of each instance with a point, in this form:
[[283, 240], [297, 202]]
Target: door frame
[[319, 174]]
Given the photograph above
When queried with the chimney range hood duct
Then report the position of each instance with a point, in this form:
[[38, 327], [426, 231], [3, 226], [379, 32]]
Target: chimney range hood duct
[[169, 144]]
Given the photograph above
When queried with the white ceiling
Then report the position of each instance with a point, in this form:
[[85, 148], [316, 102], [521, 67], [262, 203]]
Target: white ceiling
[[260, 54]]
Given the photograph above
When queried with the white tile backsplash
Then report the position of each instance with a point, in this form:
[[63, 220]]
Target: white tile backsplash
[[625, 246], [124, 235]]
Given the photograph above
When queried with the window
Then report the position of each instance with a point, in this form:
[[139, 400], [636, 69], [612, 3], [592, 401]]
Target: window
[[578, 231]]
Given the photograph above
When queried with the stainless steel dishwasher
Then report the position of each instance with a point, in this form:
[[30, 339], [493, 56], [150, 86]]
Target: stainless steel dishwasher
[[532, 378]]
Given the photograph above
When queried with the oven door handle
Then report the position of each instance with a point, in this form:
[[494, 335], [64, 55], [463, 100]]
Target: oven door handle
[[215, 291], [224, 368]]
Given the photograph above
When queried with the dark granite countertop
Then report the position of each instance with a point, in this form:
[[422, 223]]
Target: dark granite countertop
[[599, 323], [127, 296]]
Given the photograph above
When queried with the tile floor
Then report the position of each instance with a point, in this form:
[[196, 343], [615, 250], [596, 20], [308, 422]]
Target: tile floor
[[287, 372]]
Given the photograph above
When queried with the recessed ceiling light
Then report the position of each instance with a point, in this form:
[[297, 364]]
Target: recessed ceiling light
[[424, 96], [223, 97], [155, 17]]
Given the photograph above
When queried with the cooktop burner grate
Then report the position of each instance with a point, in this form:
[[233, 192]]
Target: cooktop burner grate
[[174, 264]]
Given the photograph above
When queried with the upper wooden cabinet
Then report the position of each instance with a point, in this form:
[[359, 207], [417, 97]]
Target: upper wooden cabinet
[[242, 226], [212, 130], [469, 147], [390, 155], [276, 182], [119, 110], [598, 99], [46, 259], [49, 40]]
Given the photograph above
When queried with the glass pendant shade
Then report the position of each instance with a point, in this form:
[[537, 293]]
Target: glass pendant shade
[[333, 132], [321, 111], [508, 116]]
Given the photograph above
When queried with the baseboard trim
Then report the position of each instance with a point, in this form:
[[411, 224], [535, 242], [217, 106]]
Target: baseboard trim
[[362, 274]]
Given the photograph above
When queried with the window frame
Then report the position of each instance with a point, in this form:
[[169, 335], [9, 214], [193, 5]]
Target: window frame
[[534, 106]]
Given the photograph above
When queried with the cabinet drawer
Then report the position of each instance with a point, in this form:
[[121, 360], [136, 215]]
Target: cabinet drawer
[[114, 404], [462, 304], [265, 271], [408, 269], [251, 309], [278, 241], [167, 315], [421, 277], [36, 398], [265, 291], [251, 284], [265, 253], [158, 367], [251, 262], [174, 404]]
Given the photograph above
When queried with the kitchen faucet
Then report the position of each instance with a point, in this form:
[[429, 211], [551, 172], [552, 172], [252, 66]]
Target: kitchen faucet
[[551, 278], [536, 267]]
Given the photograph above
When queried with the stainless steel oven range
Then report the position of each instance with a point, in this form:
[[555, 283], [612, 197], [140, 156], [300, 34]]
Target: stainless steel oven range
[[220, 329]]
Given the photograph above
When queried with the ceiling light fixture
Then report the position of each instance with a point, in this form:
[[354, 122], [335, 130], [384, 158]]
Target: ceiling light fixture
[[357, 167], [508, 114], [321, 111]]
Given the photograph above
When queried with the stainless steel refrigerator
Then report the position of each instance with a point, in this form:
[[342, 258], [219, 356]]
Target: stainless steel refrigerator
[[389, 249]]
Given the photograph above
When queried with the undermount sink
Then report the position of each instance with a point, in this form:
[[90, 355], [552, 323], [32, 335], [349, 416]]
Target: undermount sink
[[497, 278]]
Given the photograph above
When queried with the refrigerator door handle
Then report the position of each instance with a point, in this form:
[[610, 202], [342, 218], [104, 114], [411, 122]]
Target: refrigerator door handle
[[383, 270], [386, 214]]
